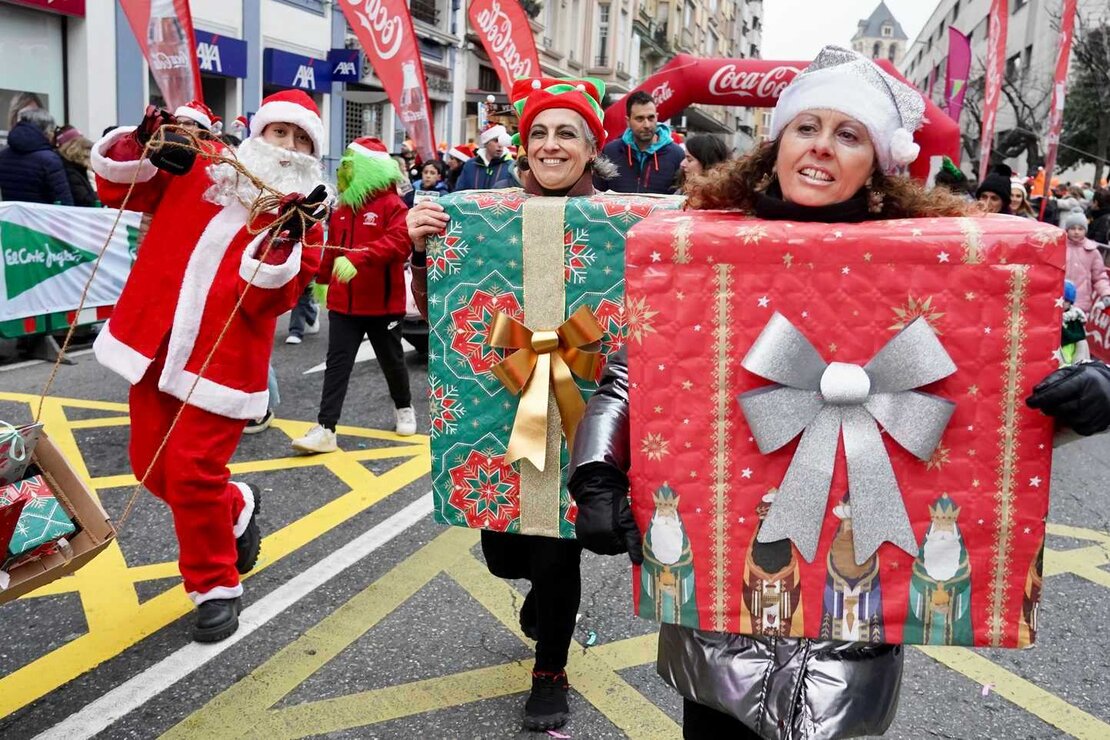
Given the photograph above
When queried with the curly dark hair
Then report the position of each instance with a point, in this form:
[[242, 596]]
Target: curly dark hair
[[734, 185]]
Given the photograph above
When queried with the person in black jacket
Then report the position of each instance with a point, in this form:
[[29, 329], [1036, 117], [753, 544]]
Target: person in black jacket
[[75, 149], [30, 169], [646, 156], [1100, 217]]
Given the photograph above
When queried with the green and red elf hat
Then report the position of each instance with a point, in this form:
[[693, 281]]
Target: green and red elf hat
[[533, 95]]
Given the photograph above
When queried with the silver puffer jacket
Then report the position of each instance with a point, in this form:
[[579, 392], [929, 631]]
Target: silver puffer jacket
[[784, 688]]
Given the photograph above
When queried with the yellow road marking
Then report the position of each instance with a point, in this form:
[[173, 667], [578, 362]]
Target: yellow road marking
[[106, 585], [249, 703], [1028, 696]]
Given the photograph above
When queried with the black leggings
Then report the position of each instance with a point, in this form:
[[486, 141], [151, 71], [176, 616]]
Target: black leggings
[[552, 565], [345, 333], [700, 722]]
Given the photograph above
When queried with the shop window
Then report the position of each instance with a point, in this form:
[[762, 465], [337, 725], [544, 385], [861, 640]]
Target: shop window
[[362, 119], [425, 10], [487, 79]]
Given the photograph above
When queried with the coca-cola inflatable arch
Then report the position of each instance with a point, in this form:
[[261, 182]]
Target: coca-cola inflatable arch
[[756, 83]]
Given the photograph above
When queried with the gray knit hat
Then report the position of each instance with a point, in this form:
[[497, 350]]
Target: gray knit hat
[[1075, 217]]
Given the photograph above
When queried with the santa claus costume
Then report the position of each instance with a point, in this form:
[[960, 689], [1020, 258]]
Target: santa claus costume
[[197, 260]]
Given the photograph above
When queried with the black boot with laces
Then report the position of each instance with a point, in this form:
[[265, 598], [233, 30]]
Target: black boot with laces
[[547, 707]]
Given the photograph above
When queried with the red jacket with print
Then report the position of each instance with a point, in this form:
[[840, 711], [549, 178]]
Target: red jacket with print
[[376, 241]]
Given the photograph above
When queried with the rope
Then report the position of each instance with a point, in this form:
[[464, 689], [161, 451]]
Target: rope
[[268, 201]]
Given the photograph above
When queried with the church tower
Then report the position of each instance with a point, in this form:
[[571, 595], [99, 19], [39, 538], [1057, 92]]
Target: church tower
[[881, 36]]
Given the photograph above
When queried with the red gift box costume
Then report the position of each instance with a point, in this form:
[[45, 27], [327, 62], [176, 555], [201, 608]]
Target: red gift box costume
[[196, 261]]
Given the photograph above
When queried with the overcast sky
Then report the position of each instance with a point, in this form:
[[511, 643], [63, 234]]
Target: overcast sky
[[797, 29]]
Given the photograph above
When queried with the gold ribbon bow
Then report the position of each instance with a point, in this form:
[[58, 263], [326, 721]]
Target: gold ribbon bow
[[543, 359]]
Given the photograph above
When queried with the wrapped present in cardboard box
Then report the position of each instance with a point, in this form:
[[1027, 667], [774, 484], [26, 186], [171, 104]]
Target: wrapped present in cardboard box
[[93, 529], [526, 299], [828, 425], [17, 445], [42, 521]]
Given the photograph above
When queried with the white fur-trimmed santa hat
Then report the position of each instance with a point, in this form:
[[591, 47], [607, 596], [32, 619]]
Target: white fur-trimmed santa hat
[[196, 111], [368, 146], [491, 133], [842, 80], [291, 106]]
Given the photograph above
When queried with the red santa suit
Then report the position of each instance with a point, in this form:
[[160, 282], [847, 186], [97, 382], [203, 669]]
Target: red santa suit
[[196, 261]]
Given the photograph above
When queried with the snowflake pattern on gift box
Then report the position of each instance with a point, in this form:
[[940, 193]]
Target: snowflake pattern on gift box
[[579, 256], [610, 315], [486, 491], [638, 318], [625, 211], [917, 308], [496, 203], [751, 234], [655, 446], [444, 407], [471, 323], [445, 253]]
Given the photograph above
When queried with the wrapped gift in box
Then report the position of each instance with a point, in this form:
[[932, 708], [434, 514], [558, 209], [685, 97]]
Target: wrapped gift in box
[[17, 445], [43, 520], [828, 426], [519, 289]]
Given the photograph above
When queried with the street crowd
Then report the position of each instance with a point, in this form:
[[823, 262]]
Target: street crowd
[[835, 154]]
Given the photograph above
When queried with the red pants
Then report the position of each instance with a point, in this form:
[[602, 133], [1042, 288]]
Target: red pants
[[191, 476]]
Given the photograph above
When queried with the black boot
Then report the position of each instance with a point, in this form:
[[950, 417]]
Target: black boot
[[217, 619], [528, 617], [249, 544], [547, 707]]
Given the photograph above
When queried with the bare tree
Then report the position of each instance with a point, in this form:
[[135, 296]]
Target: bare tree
[[1086, 134], [1026, 96]]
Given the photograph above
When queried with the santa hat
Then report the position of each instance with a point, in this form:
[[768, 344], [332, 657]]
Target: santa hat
[[839, 79], [291, 106], [531, 96], [368, 146], [196, 111], [461, 152], [491, 133], [240, 126], [217, 125]]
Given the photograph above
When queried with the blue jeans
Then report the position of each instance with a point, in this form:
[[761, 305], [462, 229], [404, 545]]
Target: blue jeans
[[272, 387], [304, 313]]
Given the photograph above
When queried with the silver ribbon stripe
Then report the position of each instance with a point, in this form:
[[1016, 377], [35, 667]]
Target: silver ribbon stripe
[[819, 400]]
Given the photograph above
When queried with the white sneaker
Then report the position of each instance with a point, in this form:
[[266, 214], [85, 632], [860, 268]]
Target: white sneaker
[[406, 421], [293, 339], [318, 439], [314, 327]]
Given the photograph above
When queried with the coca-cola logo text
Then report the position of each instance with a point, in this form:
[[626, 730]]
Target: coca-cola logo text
[[386, 32], [662, 93], [497, 28], [729, 82], [161, 61]]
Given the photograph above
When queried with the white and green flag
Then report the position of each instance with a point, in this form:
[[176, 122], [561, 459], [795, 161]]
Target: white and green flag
[[49, 253]]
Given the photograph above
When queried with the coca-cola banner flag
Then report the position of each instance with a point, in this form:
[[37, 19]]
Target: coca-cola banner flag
[[757, 83], [996, 68], [507, 38], [959, 66], [1059, 91], [1098, 334], [164, 30], [384, 28]]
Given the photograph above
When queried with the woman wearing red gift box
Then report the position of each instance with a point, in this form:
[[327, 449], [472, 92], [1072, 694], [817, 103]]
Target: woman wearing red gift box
[[841, 134], [561, 123]]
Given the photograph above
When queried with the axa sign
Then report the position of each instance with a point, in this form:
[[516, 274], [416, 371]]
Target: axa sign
[[346, 65], [294, 70], [221, 55], [305, 77]]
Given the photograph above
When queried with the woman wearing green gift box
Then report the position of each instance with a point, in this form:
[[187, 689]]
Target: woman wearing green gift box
[[561, 124], [840, 134]]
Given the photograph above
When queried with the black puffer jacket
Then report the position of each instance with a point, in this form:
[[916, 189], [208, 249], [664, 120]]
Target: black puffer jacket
[[80, 185], [31, 170]]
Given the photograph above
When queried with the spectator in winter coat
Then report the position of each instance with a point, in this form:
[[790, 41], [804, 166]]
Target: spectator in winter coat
[[646, 156], [491, 167], [23, 101], [30, 169], [994, 192], [75, 150], [366, 287], [431, 180], [457, 156], [1085, 267], [1019, 202], [703, 153], [1099, 230]]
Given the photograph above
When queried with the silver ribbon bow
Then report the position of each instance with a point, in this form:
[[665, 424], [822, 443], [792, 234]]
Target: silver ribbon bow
[[818, 400]]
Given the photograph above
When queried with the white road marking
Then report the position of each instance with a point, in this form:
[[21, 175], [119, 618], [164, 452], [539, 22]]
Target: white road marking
[[132, 694], [32, 363], [365, 354]]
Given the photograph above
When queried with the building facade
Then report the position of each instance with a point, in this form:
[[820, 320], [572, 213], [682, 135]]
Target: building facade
[[880, 36], [1031, 46]]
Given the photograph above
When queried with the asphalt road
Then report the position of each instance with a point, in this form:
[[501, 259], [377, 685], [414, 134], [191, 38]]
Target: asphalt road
[[365, 619]]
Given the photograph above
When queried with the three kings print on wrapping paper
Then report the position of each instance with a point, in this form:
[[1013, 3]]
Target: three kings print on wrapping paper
[[789, 365], [475, 270]]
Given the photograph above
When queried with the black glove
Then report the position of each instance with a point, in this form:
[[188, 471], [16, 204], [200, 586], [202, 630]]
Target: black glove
[[605, 524], [313, 207], [1077, 396], [176, 154], [153, 120]]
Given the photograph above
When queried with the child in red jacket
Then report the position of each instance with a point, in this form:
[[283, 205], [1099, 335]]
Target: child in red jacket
[[366, 293]]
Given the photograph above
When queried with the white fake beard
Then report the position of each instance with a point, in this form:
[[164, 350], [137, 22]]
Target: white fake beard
[[942, 554], [281, 169], [666, 539]]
